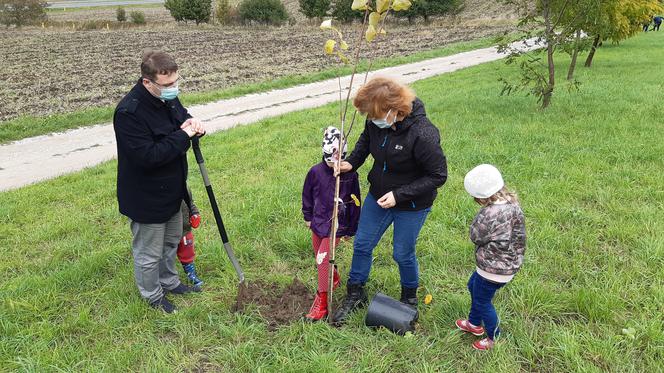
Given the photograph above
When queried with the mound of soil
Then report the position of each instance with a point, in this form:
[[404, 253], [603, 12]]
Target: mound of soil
[[276, 304]]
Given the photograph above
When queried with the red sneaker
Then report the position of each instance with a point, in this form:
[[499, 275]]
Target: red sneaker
[[483, 344], [466, 326], [336, 279], [319, 308]]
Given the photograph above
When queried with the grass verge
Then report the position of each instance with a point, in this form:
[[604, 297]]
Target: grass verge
[[589, 297]]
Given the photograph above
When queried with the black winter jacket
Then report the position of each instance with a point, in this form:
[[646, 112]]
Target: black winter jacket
[[408, 161], [152, 159]]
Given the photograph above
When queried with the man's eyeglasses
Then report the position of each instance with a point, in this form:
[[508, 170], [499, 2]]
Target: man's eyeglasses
[[173, 84]]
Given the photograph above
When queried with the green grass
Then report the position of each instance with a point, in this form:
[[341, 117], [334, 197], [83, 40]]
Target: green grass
[[28, 126], [588, 171]]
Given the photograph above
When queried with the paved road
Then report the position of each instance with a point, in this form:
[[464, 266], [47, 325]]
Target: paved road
[[44, 157], [92, 3]]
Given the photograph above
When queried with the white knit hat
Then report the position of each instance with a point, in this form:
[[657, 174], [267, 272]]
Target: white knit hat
[[483, 181]]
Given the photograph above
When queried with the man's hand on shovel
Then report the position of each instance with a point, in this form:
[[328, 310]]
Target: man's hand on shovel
[[193, 127]]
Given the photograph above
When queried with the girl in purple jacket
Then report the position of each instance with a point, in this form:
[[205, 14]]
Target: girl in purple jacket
[[317, 208]]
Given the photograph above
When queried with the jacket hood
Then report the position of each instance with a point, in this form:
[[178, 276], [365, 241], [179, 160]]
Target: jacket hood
[[415, 116]]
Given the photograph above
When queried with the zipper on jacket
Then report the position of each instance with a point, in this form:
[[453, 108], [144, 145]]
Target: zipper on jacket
[[382, 184]]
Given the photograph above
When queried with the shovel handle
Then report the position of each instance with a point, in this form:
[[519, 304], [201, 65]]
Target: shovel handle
[[195, 144]]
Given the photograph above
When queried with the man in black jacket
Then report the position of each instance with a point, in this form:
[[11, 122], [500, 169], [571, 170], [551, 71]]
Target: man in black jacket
[[153, 132]]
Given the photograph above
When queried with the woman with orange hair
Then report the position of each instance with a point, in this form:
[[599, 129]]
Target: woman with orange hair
[[409, 166]]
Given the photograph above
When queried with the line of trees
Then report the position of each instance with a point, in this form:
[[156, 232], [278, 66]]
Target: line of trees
[[341, 9], [560, 26]]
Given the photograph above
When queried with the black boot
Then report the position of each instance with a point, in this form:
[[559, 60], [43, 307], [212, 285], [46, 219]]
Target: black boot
[[356, 298], [164, 305], [409, 296]]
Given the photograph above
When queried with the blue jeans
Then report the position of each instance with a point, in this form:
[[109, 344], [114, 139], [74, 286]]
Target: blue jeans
[[374, 221], [481, 309]]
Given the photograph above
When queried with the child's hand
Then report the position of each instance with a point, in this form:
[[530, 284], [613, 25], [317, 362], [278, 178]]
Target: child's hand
[[195, 220], [308, 224]]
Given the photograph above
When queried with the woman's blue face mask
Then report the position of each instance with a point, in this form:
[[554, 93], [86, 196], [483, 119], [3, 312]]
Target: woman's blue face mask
[[383, 123]]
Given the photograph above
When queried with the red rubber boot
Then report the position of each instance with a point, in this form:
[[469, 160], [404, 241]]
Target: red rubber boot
[[319, 308], [336, 279]]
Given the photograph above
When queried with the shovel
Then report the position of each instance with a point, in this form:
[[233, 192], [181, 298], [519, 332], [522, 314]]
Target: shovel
[[195, 144]]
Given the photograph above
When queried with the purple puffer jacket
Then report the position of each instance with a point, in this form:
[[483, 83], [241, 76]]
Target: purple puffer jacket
[[318, 197]]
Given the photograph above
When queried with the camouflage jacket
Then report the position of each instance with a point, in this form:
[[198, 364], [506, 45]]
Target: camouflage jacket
[[499, 234]]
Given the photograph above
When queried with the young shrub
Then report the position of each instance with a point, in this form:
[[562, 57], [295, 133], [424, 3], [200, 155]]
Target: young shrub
[[315, 8], [267, 12], [198, 11], [177, 9], [137, 17], [21, 12], [222, 11], [121, 14], [431, 8], [342, 12]]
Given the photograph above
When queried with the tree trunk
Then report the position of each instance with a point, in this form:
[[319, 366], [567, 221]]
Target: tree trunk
[[589, 60], [550, 45], [572, 65]]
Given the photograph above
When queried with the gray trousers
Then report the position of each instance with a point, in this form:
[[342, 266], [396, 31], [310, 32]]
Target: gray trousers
[[154, 247]]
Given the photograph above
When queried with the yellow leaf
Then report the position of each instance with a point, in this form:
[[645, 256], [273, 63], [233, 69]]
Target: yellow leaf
[[343, 57], [326, 25], [374, 18], [382, 5], [355, 199], [343, 45], [370, 35], [359, 4], [399, 5], [329, 46], [428, 298]]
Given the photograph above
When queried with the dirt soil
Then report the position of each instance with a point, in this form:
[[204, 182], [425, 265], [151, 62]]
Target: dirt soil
[[57, 70], [276, 304]]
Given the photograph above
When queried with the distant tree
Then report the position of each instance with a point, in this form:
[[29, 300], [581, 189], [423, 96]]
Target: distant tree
[[268, 12], [198, 11], [617, 20], [342, 11], [426, 9], [121, 14], [315, 8], [137, 17], [21, 12], [225, 12]]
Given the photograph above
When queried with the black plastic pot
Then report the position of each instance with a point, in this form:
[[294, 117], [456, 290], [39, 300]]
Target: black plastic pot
[[390, 313]]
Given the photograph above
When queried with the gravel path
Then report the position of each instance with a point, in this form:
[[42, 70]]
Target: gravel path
[[44, 157]]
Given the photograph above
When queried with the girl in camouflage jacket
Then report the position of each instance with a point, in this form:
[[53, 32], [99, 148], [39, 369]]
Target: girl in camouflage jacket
[[499, 234]]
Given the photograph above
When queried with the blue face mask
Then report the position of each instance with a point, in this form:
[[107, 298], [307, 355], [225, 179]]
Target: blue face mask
[[169, 93], [383, 123]]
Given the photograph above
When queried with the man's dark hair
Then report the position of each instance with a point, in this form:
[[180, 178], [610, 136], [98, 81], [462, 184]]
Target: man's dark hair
[[156, 62]]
